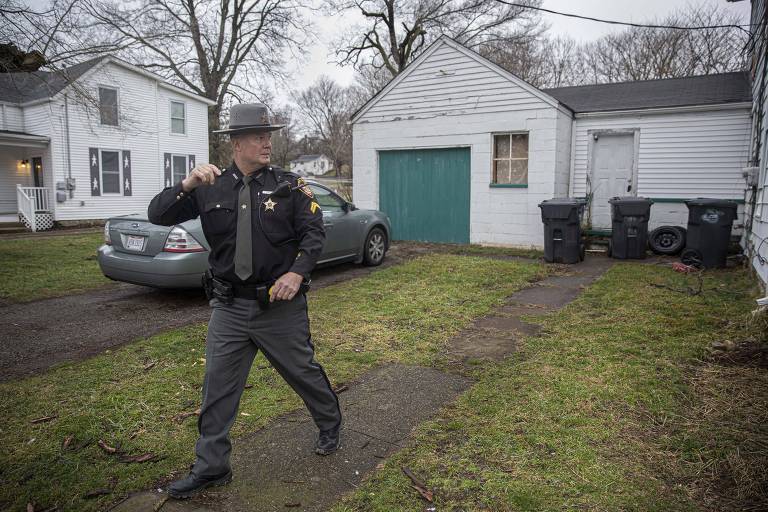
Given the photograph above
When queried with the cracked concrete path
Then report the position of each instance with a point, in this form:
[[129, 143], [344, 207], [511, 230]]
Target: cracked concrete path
[[275, 468]]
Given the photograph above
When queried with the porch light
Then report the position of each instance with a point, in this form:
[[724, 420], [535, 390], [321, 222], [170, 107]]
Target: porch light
[[25, 164]]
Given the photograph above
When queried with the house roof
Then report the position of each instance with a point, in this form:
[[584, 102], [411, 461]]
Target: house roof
[[36, 85], [307, 158], [669, 92], [39, 85]]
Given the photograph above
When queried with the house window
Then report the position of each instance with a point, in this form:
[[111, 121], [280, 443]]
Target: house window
[[510, 159], [108, 106], [178, 117], [179, 168], [110, 172]]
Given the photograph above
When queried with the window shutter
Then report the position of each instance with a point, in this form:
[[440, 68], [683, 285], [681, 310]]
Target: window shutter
[[167, 170], [93, 159], [127, 184], [191, 160]]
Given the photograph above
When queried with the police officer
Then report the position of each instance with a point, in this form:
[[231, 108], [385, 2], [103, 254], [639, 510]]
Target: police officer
[[265, 232]]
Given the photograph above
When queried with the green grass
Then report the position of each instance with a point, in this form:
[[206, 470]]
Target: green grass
[[403, 313], [38, 267], [611, 408]]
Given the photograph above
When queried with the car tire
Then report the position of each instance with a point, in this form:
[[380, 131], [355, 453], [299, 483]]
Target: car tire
[[375, 247], [667, 240]]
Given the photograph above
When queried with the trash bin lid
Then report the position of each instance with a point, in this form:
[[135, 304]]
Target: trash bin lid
[[562, 201], [708, 201], [630, 200]]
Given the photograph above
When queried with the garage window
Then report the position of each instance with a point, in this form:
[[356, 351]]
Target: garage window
[[510, 159]]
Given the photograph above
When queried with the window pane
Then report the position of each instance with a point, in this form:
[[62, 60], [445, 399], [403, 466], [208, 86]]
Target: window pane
[[326, 200], [501, 171], [520, 145], [501, 146], [110, 172], [177, 126], [519, 172], [179, 168], [108, 106], [177, 110]]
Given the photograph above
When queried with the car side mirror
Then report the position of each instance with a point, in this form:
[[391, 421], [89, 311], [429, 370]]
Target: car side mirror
[[348, 207]]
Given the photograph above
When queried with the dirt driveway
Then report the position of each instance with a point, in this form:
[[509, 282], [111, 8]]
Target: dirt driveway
[[37, 335]]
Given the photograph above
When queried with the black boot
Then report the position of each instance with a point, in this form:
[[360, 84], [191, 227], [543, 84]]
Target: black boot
[[329, 441], [192, 484]]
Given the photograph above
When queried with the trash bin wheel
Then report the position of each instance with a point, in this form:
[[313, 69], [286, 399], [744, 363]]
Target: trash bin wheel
[[692, 257], [668, 240]]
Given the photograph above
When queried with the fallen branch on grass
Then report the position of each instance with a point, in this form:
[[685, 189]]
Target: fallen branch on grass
[[418, 485]]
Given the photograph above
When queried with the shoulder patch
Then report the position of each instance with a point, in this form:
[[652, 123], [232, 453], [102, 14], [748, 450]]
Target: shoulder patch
[[304, 188], [313, 207]]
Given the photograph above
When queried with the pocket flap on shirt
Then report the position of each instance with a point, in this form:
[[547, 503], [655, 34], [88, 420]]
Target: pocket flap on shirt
[[224, 204]]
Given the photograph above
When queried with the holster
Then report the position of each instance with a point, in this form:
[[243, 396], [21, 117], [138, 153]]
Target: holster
[[217, 289]]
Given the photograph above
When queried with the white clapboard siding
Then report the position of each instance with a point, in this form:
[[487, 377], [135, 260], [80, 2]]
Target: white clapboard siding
[[144, 131], [759, 235], [450, 82], [681, 155], [452, 98]]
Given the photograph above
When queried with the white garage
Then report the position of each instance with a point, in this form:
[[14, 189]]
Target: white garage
[[516, 145]]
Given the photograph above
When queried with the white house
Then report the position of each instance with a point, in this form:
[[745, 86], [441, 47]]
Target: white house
[[311, 165], [457, 149], [756, 234], [98, 139]]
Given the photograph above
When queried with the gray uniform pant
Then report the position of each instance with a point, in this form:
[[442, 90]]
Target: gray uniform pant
[[235, 333]]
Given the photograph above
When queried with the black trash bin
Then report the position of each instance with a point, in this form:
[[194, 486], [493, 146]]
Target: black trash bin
[[562, 230], [629, 227], [709, 231]]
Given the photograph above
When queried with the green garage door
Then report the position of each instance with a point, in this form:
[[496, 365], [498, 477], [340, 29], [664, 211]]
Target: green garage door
[[425, 193]]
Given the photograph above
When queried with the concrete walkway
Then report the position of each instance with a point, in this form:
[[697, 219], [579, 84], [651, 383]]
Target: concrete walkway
[[275, 468]]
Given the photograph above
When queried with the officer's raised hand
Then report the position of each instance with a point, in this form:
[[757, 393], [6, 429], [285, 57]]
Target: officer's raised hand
[[203, 174], [286, 287]]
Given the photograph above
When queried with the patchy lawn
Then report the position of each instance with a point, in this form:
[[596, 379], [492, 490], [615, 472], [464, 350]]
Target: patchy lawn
[[618, 405], [128, 398], [40, 267]]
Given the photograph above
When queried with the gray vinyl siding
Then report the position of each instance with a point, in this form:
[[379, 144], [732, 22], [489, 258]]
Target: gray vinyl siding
[[759, 235], [680, 156]]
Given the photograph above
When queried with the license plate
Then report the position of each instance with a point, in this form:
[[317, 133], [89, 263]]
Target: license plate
[[135, 243]]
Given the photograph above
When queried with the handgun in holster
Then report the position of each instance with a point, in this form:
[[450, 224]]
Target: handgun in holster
[[217, 289]]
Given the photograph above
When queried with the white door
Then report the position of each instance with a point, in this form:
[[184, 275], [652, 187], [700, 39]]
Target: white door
[[613, 159]]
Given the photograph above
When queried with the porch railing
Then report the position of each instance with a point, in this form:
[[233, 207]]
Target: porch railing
[[32, 200]]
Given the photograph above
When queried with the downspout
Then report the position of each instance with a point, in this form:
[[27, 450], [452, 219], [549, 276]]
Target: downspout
[[70, 188]]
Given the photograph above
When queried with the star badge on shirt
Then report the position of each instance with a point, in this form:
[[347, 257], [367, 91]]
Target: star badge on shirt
[[269, 205]]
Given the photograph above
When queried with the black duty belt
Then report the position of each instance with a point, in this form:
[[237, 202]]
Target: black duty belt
[[226, 291]]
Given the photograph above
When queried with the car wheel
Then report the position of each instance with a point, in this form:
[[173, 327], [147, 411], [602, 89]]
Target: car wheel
[[375, 247], [667, 240]]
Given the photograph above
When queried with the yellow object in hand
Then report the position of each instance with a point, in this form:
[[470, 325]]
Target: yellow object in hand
[[270, 290]]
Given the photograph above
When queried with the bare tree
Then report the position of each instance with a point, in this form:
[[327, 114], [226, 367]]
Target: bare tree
[[285, 145], [642, 53], [224, 50], [395, 31], [326, 108]]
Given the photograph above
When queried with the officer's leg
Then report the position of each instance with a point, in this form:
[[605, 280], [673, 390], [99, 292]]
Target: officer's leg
[[282, 332], [229, 354]]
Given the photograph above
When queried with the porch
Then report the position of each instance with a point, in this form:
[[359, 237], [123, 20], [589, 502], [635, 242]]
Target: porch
[[25, 181]]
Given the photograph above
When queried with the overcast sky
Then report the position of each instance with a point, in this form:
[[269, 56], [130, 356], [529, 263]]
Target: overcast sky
[[320, 61]]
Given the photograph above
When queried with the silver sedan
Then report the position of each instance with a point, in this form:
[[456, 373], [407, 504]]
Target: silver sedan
[[139, 252]]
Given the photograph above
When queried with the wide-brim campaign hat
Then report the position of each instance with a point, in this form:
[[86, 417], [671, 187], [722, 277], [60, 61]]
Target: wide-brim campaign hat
[[249, 117]]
